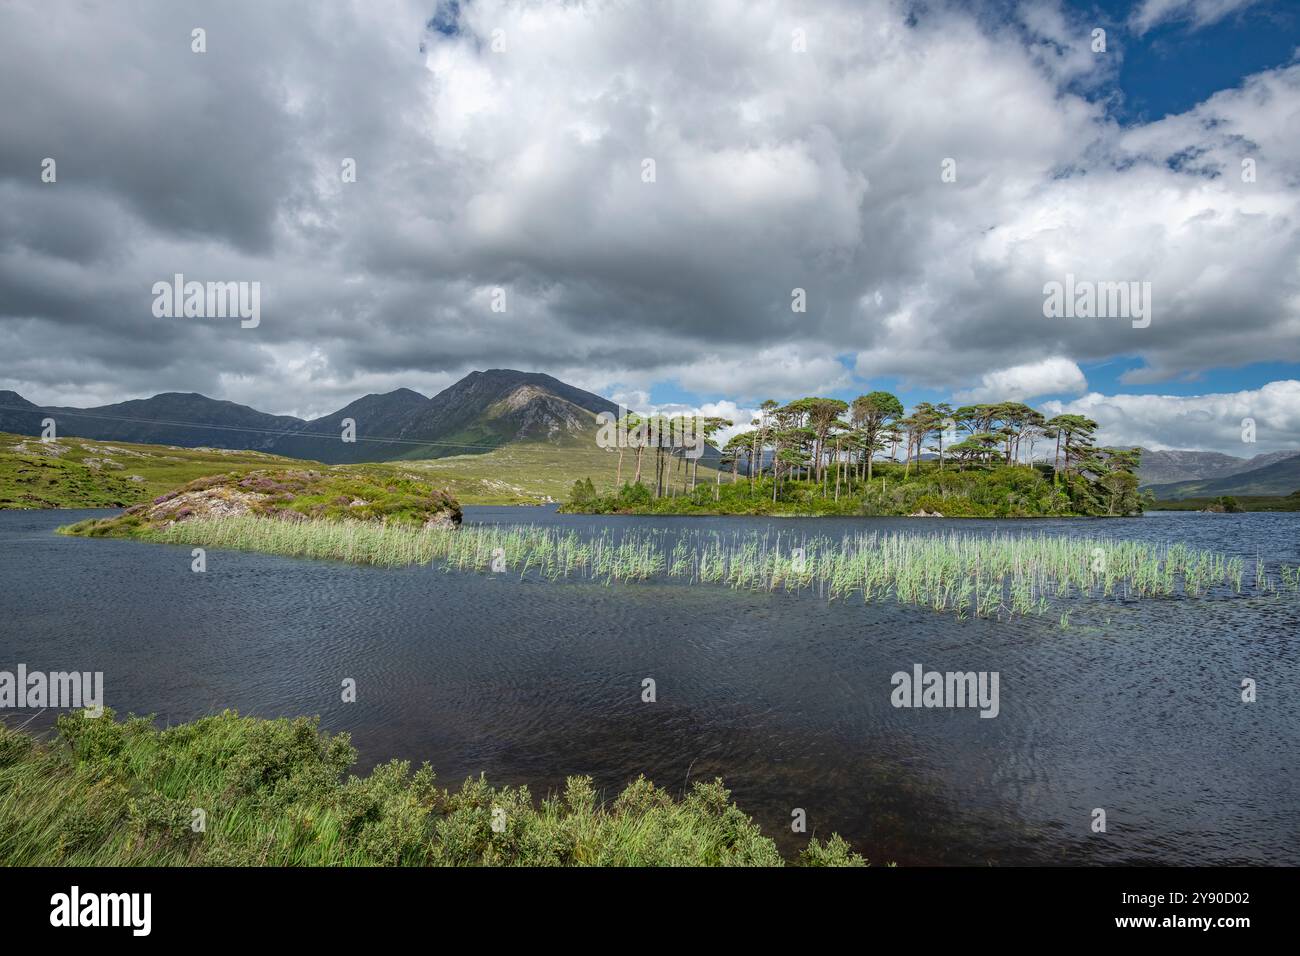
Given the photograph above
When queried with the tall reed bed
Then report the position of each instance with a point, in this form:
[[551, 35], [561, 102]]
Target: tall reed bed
[[998, 575]]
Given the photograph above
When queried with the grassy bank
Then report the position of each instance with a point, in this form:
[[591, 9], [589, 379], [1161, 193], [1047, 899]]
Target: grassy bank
[[83, 473], [969, 575], [283, 497], [230, 790], [1013, 491]]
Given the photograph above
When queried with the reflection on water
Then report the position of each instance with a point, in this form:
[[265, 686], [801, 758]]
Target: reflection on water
[[1134, 708]]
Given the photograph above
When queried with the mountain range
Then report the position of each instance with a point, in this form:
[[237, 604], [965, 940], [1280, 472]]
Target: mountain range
[[1170, 466], [1277, 478], [1175, 474], [482, 411], [487, 410]]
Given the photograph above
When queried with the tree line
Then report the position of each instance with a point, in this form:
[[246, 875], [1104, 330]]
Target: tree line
[[835, 444]]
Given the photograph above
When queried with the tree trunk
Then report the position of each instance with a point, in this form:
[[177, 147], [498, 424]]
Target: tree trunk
[[837, 471]]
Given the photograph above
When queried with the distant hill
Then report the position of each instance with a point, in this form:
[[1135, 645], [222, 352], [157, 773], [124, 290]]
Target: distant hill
[[482, 411], [377, 417], [1280, 477], [1167, 467], [19, 416], [176, 418], [171, 418]]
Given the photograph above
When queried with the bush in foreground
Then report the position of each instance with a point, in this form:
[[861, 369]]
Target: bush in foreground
[[276, 793]]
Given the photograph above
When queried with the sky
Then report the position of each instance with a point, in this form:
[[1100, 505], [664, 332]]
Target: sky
[[916, 173]]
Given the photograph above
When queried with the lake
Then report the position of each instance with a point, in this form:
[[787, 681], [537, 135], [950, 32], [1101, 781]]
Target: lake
[[1135, 707]]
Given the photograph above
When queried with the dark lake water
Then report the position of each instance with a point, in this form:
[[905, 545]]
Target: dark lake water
[[1134, 708]]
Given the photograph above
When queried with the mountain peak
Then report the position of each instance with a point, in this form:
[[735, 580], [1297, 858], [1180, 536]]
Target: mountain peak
[[483, 410]]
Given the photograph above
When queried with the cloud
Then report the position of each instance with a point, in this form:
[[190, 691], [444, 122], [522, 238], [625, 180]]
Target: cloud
[[523, 170], [1213, 422], [1019, 383], [739, 417], [1201, 13]]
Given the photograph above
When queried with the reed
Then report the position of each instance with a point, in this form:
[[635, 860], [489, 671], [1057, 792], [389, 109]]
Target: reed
[[988, 576]]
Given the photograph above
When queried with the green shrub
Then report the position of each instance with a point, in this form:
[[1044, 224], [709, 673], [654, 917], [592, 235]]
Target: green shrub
[[834, 852], [273, 793]]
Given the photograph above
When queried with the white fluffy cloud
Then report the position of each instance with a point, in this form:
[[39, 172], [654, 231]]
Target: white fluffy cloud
[[739, 417], [1214, 422], [1050, 376]]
